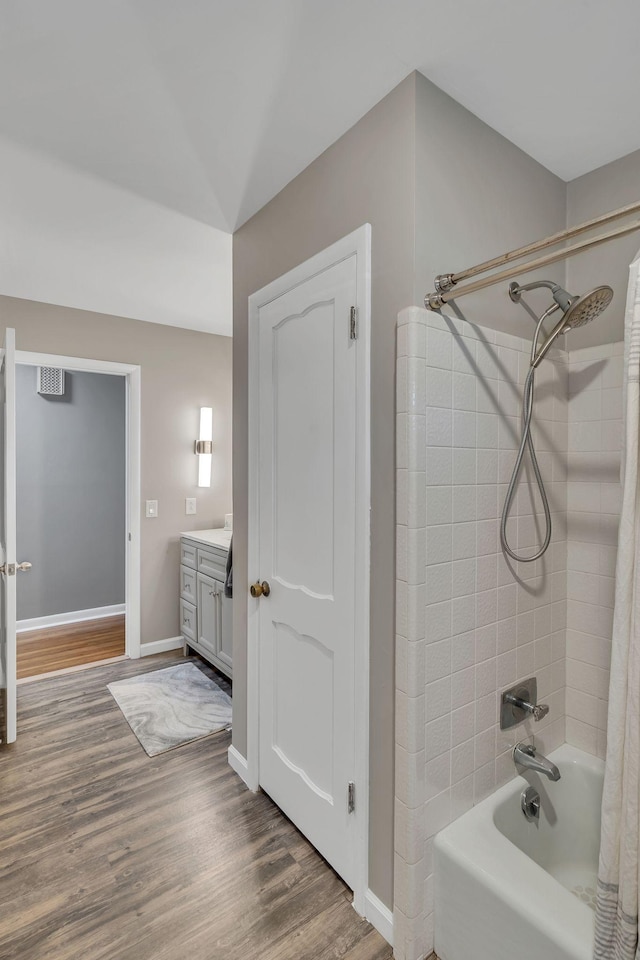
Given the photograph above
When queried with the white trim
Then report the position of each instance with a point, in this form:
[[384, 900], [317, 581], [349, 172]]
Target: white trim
[[161, 646], [83, 365], [238, 763], [134, 493], [75, 616], [133, 375], [358, 243], [379, 916]]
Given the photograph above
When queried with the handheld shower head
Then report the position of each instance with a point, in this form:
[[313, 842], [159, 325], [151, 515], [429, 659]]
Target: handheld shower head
[[577, 311], [584, 309]]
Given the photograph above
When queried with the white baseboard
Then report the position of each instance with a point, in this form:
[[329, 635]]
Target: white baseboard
[[161, 646], [238, 763], [379, 916], [76, 616]]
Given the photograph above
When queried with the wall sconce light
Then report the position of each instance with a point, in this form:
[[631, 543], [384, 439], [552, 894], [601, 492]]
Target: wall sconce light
[[204, 447]]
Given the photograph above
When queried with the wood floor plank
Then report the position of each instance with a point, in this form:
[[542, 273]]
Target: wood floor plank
[[108, 854], [70, 645]]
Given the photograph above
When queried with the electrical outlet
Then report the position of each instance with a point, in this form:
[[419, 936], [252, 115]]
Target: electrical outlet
[[190, 505], [151, 508]]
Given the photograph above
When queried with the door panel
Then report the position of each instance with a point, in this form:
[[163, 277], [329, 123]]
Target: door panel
[[8, 652], [307, 529], [300, 708], [303, 348]]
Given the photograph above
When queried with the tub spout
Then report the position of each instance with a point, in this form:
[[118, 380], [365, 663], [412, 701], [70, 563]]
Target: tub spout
[[526, 755]]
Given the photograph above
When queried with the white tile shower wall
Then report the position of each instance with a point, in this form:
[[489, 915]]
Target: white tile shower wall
[[468, 623], [593, 502]]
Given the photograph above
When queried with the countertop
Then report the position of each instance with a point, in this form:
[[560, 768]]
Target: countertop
[[218, 537]]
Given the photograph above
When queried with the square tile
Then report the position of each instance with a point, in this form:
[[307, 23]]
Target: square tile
[[463, 686], [439, 348], [438, 384], [462, 724], [439, 428], [438, 660], [438, 505], [464, 541], [438, 466], [463, 577], [462, 761], [438, 698], [464, 391], [463, 651], [464, 465]]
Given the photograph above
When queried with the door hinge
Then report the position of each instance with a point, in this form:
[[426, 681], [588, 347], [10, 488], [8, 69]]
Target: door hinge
[[351, 797], [353, 323]]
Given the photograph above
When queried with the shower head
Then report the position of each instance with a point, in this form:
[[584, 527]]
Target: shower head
[[577, 311], [582, 310]]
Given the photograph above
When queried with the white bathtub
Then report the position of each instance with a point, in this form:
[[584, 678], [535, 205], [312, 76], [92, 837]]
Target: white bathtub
[[506, 887]]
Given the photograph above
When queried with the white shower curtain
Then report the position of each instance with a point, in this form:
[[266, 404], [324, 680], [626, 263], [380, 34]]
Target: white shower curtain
[[617, 905]]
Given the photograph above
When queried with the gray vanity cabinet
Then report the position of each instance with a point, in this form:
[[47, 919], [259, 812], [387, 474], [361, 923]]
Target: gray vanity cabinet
[[205, 612]]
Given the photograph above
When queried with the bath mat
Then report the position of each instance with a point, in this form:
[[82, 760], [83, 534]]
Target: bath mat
[[168, 708]]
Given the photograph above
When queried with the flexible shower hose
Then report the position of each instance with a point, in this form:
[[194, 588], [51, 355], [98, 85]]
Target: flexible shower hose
[[527, 442]]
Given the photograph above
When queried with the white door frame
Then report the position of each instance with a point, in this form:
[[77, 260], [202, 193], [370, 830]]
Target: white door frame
[[357, 243], [132, 373]]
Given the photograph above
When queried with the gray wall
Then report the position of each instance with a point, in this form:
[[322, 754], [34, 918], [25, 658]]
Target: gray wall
[[441, 190], [435, 203], [607, 188], [477, 196], [182, 370], [71, 477], [366, 176]]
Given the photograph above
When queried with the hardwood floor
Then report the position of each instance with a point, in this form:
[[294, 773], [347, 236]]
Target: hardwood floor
[[107, 854], [58, 648]]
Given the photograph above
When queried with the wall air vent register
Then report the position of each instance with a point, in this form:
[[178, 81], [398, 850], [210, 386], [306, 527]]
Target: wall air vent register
[[51, 381]]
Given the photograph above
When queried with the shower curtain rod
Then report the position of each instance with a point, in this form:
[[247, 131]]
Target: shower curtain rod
[[445, 283]]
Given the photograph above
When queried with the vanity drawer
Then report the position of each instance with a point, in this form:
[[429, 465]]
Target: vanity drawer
[[188, 620], [188, 584], [212, 564], [188, 554]]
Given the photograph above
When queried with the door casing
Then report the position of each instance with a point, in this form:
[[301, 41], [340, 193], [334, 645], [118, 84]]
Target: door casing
[[357, 243], [132, 373]]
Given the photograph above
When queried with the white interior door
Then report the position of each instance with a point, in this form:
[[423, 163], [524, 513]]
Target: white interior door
[[307, 554], [8, 539]]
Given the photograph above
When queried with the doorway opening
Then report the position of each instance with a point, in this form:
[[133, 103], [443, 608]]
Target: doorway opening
[[77, 462]]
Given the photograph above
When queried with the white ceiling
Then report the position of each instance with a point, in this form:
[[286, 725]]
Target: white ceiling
[[209, 107]]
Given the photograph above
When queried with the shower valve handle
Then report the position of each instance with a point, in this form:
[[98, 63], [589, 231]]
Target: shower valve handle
[[536, 710], [539, 710]]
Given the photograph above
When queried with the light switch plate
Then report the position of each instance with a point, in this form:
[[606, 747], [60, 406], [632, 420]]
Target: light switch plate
[[151, 508], [190, 505]]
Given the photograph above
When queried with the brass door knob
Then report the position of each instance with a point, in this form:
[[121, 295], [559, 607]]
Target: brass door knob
[[260, 589]]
